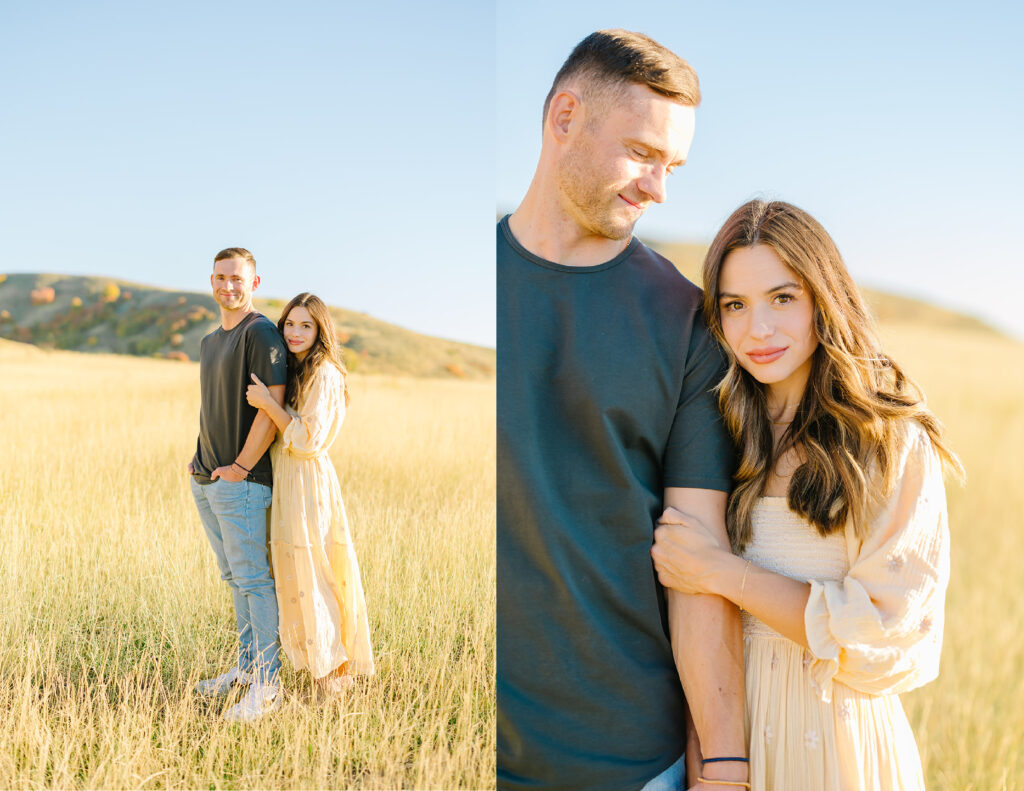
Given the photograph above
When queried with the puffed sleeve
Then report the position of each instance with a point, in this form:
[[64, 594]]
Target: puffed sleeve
[[879, 630], [322, 411]]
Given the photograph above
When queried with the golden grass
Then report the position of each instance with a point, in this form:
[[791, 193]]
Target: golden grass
[[113, 608], [970, 721]]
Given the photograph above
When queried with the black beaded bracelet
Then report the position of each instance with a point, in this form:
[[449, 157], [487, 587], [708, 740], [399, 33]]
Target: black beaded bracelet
[[248, 471], [719, 760]]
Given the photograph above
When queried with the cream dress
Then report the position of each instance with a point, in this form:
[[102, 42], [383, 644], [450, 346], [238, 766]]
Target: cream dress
[[319, 594], [830, 718]]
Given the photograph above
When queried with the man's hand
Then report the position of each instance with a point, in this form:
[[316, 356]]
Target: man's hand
[[228, 473], [191, 469]]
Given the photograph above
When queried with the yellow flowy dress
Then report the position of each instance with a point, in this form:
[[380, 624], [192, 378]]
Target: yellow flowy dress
[[830, 718], [322, 610]]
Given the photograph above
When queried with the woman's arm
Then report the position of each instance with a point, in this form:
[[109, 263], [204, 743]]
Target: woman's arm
[[689, 558], [259, 396], [879, 628]]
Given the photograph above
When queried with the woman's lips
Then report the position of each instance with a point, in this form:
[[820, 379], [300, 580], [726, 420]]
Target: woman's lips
[[768, 355]]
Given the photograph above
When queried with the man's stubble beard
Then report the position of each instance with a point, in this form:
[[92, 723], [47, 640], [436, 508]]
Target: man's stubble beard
[[588, 194]]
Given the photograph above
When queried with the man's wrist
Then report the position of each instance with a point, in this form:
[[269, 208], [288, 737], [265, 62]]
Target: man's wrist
[[726, 770]]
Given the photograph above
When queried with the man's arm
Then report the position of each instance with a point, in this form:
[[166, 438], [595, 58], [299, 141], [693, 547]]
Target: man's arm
[[707, 643], [261, 434]]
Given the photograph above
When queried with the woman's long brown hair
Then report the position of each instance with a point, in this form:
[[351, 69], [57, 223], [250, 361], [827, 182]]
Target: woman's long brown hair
[[325, 349], [850, 424]]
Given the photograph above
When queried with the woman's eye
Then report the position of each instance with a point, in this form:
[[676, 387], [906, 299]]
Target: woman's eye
[[782, 299], [732, 306]]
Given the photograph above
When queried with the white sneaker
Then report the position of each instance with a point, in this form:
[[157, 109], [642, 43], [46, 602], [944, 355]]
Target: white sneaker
[[259, 700], [213, 687]]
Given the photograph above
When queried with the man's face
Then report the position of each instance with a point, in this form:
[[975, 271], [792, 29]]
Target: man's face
[[233, 282], [617, 163]]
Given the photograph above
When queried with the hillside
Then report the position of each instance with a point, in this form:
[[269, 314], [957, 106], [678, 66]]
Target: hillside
[[888, 308], [92, 314]]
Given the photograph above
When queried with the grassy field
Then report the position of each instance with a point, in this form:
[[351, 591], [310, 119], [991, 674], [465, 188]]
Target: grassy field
[[970, 721], [113, 608]]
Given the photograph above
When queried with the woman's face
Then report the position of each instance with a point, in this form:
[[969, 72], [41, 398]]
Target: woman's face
[[767, 319], [300, 331]]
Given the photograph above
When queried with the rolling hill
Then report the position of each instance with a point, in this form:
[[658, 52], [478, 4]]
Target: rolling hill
[[94, 314]]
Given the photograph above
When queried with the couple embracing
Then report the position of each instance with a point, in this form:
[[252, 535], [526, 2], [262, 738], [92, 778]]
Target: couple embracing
[[722, 537], [259, 381]]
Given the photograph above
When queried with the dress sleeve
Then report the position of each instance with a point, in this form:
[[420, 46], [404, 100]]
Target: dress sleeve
[[323, 408], [879, 630]]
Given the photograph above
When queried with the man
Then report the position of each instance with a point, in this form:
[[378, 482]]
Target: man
[[605, 417], [231, 476]]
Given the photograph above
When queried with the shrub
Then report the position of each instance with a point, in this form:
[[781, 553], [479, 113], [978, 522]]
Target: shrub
[[42, 296]]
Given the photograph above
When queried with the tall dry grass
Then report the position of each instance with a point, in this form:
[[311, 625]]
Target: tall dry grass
[[112, 607], [970, 722]]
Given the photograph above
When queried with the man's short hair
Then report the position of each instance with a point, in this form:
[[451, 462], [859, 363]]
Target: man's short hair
[[609, 60], [235, 252]]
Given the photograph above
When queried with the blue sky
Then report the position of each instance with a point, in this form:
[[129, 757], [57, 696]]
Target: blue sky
[[348, 146], [898, 125]]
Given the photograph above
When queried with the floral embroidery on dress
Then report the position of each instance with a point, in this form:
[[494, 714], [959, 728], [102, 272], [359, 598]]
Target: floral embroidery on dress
[[894, 562], [926, 625], [807, 661], [769, 734], [811, 740], [846, 710]]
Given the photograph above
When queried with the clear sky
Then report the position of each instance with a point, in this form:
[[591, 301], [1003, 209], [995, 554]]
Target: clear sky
[[897, 124], [348, 145]]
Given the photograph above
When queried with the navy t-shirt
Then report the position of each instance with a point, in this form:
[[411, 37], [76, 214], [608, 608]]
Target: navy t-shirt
[[605, 377], [226, 358]]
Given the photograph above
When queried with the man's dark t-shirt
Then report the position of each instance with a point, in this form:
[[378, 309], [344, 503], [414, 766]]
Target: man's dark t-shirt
[[604, 399], [226, 358]]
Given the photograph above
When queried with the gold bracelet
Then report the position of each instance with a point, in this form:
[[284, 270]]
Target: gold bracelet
[[743, 584], [737, 783]]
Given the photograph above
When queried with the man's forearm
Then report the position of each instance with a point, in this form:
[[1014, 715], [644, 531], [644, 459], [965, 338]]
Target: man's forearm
[[261, 434], [707, 643]]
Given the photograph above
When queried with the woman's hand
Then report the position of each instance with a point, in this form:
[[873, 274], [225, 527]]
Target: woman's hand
[[257, 394], [686, 553]]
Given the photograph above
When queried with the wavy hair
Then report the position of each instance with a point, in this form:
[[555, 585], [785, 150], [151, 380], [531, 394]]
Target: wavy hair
[[851, 421], [325, 349]]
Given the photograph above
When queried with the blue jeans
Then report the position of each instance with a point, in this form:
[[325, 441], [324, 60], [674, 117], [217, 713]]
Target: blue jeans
[[235, 518], [669, 780]]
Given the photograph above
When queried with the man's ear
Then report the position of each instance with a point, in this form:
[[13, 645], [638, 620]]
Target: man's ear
[[255, 282], [564, 112]]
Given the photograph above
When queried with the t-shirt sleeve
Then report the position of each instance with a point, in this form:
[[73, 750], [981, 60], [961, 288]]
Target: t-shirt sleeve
[[265, 354], [699, 453], [879, 630]]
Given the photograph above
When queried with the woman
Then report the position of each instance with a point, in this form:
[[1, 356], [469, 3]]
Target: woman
[[837, 518], [319, 594]]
